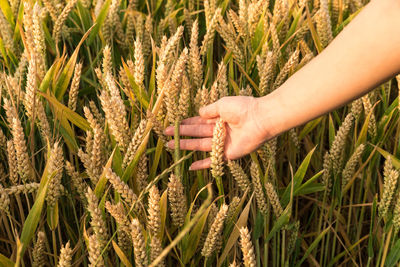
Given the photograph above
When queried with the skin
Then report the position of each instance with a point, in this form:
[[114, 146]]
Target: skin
[[365, 54]]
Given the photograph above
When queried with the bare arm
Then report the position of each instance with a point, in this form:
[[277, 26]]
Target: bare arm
[[363, 55]]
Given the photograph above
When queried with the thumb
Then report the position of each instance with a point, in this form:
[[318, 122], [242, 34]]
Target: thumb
[[210, 111]]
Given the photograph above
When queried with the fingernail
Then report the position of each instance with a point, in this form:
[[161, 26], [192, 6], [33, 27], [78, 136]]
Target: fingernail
[[190, 168]]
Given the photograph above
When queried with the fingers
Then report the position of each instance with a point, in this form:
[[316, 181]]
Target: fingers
[[203, 144], [210, 111], [200, 164], [202, 130], [198, 120]]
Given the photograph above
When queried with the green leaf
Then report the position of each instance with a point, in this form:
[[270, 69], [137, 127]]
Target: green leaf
[[156, 159], [309, 127], [152, 83], [255, 86], [6, 9], [194, 238], [129, 171], [371, 228], [44, 85], [6, 262], [66, 134], [4, 53], [348, 249], [99, 22], [395, 161], [49, 38], [84, 15], [190, 243], [259, 226], [362, 138], [185, 230], [279, 224], [297, 178], [140, 94], [103, 179], [63, 111], [52, 216], [66, 75], [310, 188], [124, 259], [296, 17], [163, 212], [332, 131], [313, 246], [384, 124], [235, 86], [241, 222], [393, 257], [258, 33], [340, 27], [158, 5], [34, 215], [117, 162], [314, 33], [17, 35]]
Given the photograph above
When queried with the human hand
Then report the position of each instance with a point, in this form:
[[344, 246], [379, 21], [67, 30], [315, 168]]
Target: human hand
[[243, 132]]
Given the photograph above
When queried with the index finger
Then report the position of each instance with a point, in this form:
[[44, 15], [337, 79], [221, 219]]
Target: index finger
[[198, 120]]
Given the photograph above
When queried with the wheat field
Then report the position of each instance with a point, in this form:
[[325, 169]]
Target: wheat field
[[86, 91]]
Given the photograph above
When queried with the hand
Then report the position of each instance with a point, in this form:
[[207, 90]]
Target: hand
[[243, 133]]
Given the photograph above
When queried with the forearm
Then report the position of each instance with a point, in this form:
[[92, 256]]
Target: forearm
[[362, 56]]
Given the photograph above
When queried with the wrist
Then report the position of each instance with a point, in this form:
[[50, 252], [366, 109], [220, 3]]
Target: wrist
[[268, 116]]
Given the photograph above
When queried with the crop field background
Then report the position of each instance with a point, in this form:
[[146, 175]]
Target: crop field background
[[86, 91]]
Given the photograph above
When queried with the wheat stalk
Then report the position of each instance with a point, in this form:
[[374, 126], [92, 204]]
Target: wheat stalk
[[214, 234], [65, 256], [39, 249], [258, 189], [177, 200], [139, 245], [249, 258], [97, 222]]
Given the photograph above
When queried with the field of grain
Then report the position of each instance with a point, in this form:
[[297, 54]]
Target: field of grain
[[86, 91]]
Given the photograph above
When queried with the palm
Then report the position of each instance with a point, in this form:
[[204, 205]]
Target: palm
[[242, 137]]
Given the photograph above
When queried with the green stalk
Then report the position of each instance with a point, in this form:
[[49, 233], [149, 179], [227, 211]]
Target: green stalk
[[177, 153], [328, 236], [156, 159], [386, 248], [336, 230], [339, 204], [53, 234], [82, 245], [278, 246], [283, 248], [350, 208], [364, 199], [381, 248], [220, 186], [320, 223], [201, 183], [6, 220], [274, 245], [266, 246], [20, 208], [257, 243]]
